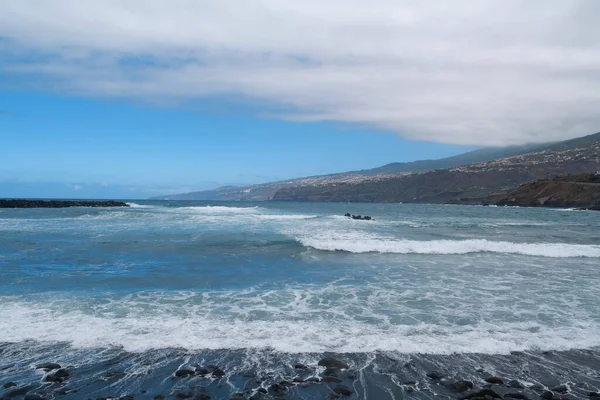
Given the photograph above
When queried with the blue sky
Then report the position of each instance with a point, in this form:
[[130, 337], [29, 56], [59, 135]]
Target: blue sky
[[106, 98], [113, 148]]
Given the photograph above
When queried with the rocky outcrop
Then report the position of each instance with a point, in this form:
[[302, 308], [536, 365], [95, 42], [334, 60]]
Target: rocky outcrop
[[582, 191], [19, 203]]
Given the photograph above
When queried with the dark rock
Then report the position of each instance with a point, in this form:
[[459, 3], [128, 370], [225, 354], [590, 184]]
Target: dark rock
[[128, 397], [343, 390], [184, 371], [560, 389], [237, 396], [495, 380], [331, 372], [435, 375], [547, 395], [333, 363], [218, 373], [410, 383], [330, 379], [537, 387], [300, 366], [594, 395], [515, 384], [313, 379], [347, 215], [482, 394], [62, 373], [516, 395], [184, 396], [202, 371], [8, 385], [277, 388], [461, 386], [262, 390], [298, 379], [18, 392], [33, 396], [48, 366], [255, 396], [53, 378]]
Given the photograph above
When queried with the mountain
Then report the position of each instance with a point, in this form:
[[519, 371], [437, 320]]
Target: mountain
[[460, 184], [267, 191]]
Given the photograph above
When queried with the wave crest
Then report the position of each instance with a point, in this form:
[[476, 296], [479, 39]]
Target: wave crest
[[449, 247]]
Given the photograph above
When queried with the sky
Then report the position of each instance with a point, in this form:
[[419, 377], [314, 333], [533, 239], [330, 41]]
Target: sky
[[130, 99]]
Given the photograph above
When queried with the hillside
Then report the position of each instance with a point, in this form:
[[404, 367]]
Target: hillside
[[460, 183], [267, 191], [565, 191]]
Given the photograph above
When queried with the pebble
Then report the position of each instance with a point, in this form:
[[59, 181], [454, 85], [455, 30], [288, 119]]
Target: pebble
[[461, 386], [515, 384], [343, 390], [435, 375], [495, 380], [560, 389], [333, 363], [8, 385], [48, 366]]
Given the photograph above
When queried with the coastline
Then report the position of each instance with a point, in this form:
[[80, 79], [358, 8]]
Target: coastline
[[25, 203], [266, 374]]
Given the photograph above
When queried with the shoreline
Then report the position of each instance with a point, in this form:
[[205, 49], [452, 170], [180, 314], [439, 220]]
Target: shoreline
[[24, 203], [59, 371]]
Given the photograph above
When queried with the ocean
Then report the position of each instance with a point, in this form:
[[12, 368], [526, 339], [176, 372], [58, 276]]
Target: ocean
[[123, 298]]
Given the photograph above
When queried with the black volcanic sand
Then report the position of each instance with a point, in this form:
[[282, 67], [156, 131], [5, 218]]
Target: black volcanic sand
[[19, 203], [263, 374]]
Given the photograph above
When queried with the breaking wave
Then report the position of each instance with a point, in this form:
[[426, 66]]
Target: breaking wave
[[395, 246]]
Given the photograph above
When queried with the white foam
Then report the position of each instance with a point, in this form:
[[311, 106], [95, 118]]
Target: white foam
[[368, 243], [220, 209], [201, 330], [135, 205]]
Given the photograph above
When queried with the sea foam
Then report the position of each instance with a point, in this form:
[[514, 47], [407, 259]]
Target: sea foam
[[161, 329], [400, 246]]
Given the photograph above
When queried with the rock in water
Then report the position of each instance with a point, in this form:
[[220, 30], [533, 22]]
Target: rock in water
[[185, 370], [516, 395], [48, 366], [495, 380], [9, 385], [560, 389], [343, 390], [482, 394], [435, 375], [333, 363], [461, 386], [515, 384]]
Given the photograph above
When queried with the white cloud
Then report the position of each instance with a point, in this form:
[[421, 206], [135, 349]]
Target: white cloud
[[465, 72]]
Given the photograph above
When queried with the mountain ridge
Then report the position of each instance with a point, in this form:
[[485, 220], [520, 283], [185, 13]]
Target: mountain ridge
[[267, 191], [462, 184]]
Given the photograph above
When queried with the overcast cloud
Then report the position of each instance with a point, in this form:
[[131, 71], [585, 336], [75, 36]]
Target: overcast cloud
[[461, 71]]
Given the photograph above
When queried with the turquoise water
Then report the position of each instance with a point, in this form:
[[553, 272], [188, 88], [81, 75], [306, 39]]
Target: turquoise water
[[299, 278]]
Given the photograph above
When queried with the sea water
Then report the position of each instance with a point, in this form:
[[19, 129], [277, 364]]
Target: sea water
[[249, 285]]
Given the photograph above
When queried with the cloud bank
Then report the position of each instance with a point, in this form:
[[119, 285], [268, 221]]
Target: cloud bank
[[462, 72]]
